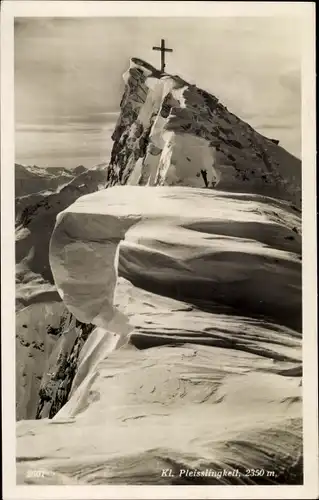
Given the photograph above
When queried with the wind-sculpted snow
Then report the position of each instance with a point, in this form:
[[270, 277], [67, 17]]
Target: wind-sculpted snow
[[195, 361], [161, 320], [219, 251]]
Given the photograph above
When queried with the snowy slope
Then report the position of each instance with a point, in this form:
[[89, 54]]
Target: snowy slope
[[34, 346], [188, 407]]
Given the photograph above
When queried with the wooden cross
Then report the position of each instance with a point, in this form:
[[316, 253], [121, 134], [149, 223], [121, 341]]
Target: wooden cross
[[163, 49]]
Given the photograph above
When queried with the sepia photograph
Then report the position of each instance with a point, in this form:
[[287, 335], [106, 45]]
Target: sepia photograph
[[158, 195]]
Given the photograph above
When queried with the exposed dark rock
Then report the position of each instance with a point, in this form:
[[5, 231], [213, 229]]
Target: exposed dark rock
[[54, 394]]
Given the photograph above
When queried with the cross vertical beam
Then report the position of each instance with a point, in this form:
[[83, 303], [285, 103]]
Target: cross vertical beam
[[163, 49], [162, 55]]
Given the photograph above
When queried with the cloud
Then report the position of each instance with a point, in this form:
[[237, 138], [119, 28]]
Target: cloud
[[99, 117], [56, 129], [62, 123]]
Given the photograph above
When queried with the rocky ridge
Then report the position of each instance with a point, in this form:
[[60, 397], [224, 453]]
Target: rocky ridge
[[170, 132]]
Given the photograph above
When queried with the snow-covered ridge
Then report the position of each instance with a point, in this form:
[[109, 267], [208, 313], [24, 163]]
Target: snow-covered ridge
[[172, 133]]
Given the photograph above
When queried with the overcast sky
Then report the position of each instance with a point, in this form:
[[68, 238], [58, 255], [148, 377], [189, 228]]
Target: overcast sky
[[68, 77]]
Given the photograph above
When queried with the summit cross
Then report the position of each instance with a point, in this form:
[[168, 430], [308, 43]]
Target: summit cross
[[163, 49]]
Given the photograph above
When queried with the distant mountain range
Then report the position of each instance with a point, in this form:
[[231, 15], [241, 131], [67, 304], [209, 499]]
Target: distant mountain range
[[34, 179]]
